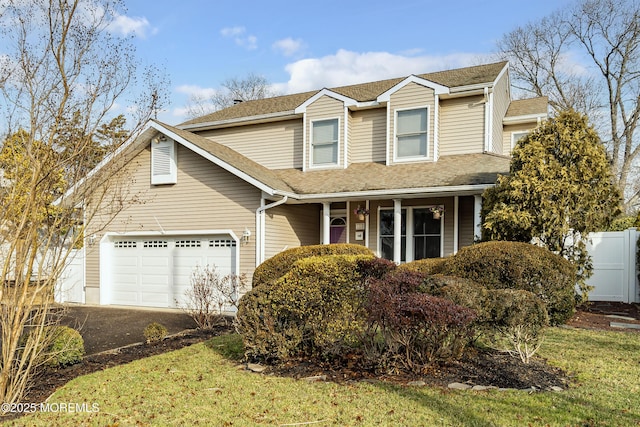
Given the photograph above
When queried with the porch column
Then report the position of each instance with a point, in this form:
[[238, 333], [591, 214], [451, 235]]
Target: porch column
[[326, 223], [456, 218], [476, 215], [397, 231]]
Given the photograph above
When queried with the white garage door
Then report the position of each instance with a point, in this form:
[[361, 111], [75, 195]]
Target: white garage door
[[156, 271]]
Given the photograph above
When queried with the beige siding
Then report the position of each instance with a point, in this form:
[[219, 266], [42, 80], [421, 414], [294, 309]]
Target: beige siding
[[466, 223], [412, 95], [206, 197], [326, 108], [275, 145], [501, 98], [508, 132], [289, 226], [368, 140], [462, 125]]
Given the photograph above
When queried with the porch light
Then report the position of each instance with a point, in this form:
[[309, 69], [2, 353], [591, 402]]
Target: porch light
[[361, 212], [437, 211]]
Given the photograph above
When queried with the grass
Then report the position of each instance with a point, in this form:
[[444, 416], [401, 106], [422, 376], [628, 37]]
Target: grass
[[201, 385]]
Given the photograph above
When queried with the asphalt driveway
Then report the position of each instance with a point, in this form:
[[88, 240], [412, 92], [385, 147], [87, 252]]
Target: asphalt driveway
[[105, 328]]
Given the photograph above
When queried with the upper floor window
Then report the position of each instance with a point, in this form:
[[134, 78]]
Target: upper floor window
[[324, 142], [517, 136], [411, 133]]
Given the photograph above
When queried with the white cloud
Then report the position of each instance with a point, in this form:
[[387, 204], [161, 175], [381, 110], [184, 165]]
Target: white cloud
[[249, 42], [196, 91], [347, 67], [232, 31], [126, 25], [288, 46]]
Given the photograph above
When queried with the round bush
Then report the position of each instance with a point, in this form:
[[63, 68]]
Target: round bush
[[279, 264], [416, 328], [426, 265], [155, 332], [315, 309], [66, 347], [520, 266]]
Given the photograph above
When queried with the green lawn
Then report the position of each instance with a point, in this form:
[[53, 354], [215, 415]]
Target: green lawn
[[200, 386]]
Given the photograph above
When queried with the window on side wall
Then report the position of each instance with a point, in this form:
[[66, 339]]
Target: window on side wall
[[324, 142], [517, 136], [412, 133]]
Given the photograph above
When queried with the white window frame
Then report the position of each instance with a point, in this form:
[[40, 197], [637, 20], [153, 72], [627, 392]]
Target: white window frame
[[516, 135], [170, 175], [312, 165], [398, 158], [410, 254]]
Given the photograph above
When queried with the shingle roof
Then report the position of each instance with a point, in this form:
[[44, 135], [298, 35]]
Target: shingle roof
[[458, 170], [525, 107], [233, 158], [360, 92], [448, 171]]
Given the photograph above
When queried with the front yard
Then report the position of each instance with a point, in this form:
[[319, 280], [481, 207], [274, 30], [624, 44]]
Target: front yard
[[202, 385]]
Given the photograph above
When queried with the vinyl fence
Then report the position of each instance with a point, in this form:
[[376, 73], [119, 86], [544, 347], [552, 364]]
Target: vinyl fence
[[615, 275]]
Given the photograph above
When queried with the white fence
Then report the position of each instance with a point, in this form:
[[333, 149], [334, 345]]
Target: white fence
[[70, 286], [615, 273]]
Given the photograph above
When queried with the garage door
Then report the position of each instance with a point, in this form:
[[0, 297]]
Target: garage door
[[156, 271]]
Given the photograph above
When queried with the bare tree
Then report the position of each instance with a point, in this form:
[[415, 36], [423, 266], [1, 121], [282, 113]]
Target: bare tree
[[61, 73], [587, 57], [234, 90]]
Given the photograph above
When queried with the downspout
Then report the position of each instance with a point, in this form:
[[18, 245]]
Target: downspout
[[260, 229]]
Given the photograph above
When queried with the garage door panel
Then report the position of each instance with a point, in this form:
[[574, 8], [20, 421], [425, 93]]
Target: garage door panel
[[157, 272]]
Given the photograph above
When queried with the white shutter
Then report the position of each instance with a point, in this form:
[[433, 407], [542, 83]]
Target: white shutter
[[163, 162]]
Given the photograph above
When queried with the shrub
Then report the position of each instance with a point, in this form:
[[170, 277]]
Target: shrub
[[520, 317], [66, 347], [315, 309], [154, 332], [211, 294], [426, 265], [513, 265], [279, 264], [416, 328], [466, 293]]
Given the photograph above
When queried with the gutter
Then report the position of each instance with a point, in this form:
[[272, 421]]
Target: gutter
[[260, 227]]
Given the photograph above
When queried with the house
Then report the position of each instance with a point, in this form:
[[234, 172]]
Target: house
[[397, 165]]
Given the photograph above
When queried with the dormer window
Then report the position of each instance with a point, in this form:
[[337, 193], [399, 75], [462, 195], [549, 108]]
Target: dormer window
[[412, 133], [164, 168], [325, 142]]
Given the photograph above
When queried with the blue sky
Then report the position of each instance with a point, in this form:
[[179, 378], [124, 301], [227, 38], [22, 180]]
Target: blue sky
[[301, 46]]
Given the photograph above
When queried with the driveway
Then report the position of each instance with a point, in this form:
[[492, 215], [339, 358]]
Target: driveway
[[105, 328]]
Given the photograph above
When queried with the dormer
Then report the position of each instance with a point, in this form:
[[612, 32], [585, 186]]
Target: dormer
[[325, 130], [412, 120]]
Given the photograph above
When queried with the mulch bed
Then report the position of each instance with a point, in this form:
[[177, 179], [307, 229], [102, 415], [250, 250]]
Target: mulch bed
[[489, 368]]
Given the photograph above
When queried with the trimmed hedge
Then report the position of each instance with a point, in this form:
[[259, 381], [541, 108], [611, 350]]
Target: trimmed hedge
[[520, 266], [315, 309], [279, 264], [415, 328], [66, 347], [426, 265], [154, 332]]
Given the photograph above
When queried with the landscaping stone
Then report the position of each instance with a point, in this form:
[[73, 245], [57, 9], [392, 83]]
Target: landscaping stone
[[459, 386], [256, 367]]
